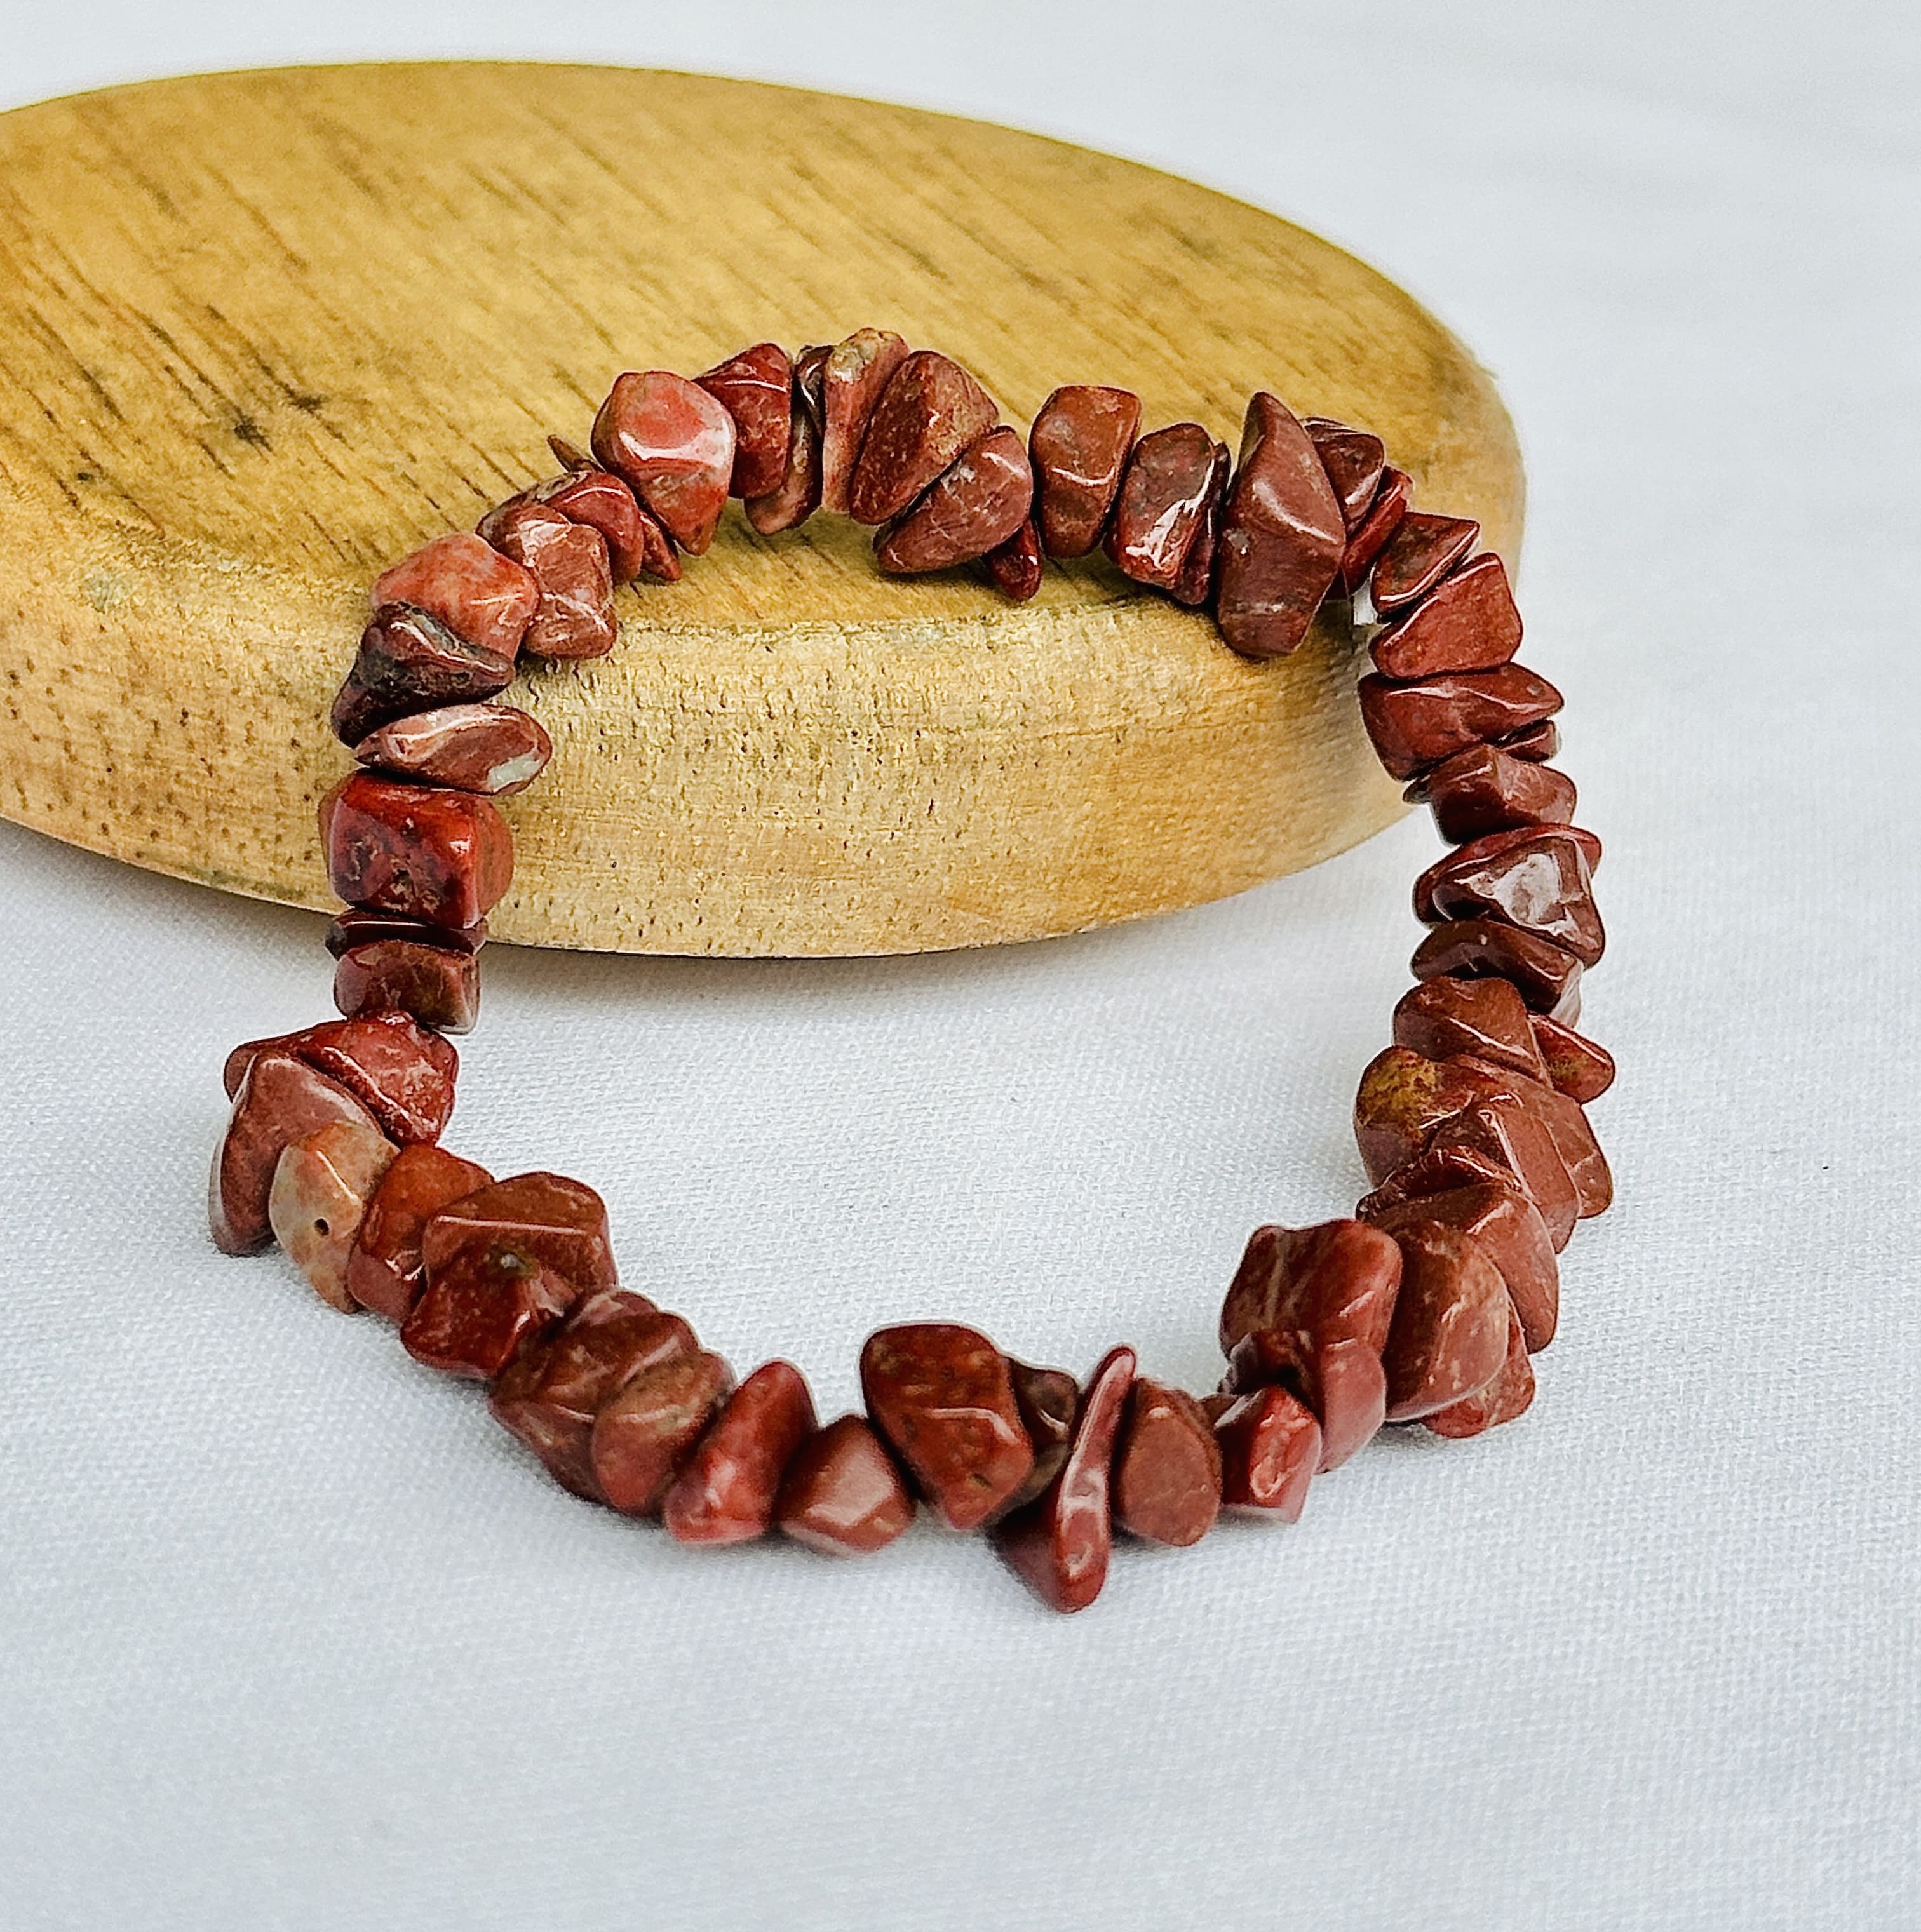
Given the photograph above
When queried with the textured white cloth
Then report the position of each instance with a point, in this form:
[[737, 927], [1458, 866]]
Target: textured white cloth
[[291, 1637]]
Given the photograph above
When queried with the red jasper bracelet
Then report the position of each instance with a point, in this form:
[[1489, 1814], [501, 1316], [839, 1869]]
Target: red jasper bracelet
[[1427, 1307]]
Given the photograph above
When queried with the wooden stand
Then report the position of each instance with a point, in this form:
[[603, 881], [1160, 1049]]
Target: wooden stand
[[262, 333]]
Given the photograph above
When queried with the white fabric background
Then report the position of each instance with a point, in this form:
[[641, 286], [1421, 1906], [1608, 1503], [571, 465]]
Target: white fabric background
[[291, 1637]]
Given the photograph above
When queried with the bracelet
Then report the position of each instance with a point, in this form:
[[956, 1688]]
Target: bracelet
[[1426, 1306]]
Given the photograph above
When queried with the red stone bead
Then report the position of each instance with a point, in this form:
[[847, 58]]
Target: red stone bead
[[1538, 743], [1383, 518], [1014, 567], [438, 986], [978, 503], [444, 856], [384, 1272], [480, 596], [1354, 461], [403, 1076], [1167, 1467], [930, 411], [756, 388], [355, 925], [1424, 548], [1536, 880], [1059, 1543], [569, 560], [673, 444], [321, 1185], [1507, 1398], [1491, 845], [943, 1400], [1310, 1307], [1079, 446], [1484, 789], [1450, 1332], [645, 1432], [537, 1219], [842, 1495], [477, 1312], [551, 1394], [1415, 725], [1194, 586], [1283, 536], [1575, 1141], [280, 1100], [1270, 1447], [1484, 1019], [1505, 1137], [1168, 507], [1049, 1399], [1404, 1096], [495, 749], [1470, 623], [1578, 1067], [1547, 975], [636, 545], [797, 495], [729, 1489], [410, 661], [1509, 1226], [853, 377]]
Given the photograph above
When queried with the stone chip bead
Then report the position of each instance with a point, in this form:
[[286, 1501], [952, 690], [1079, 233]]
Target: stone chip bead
[[1482, 1019], [1354, 459], [729, 1488], [1167, 1467], [1492, 845], [425, 852], [1450, 1333], [1469, 623], [1164, 530], [756, 388], [1547, 977], [673, 444], [1404, 1096], [410, 661], [1424, 548], [321, 1184], [1506, 1138], [1485, 789], [1079, 446], [1413, 726], [647, 1430], [1049, 1399], [796, 495], [1271, 1448], [384, 1271], [1576, 1066], [402, 1075], [481, 1305], [494, 749], [930, 411], [1536, 880], [842, 1494], [942, 1397], [975, 505], [482, 596], [1015, 568], [1283, 536], [637, 546], [438, 986], [538, 1218], [1506, 1399], [1509, 1226], [574, 617], [1059, 1544], [853, 377], [1364, 546]]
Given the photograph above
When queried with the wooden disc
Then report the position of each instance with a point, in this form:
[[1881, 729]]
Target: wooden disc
[[262, 333]]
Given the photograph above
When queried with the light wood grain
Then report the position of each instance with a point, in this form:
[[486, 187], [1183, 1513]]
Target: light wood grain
[[262, 333]]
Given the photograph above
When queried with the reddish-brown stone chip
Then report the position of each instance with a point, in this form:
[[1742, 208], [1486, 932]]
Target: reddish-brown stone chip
[[1415, 725], [585, 493], [943, 1400], [1079, 446], [1424, 548], [1476, 852], [321, 1184], [673, 444], [1575, 1141], [1547, 975], [357, 926], [410, 661], [532, 1218], [550, 1394], [1014, 567], [1403, 1096], [1507, 1398], [730, 1486], [1450, 1332], [280, 1100], [494, 749], [384, 1272], [438, 986], [403, 1076], [842, 1494], [569, 560], [1508, 1224], [1577, 1066], [1485, 789], [1383, 518], [1283, 536], [1486, 1019], [1507, 1135], [975, 505], [645, 1432], [1059, 1544], [480, 596], [1049, 1399], [1535, 880], [422, 851], [797, 495], [930, 411], [1167, 1467], [1354, 461], [1309, 1307], [1538, 743], [854, 376], [478, 1310], [1164, 529], [1470, 623], [756, 388], [1271, 1448]]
